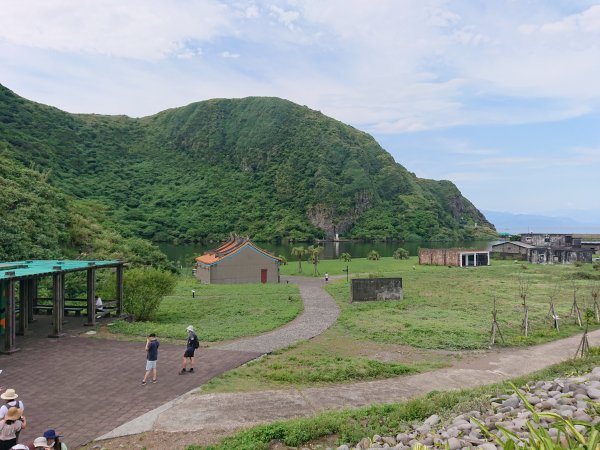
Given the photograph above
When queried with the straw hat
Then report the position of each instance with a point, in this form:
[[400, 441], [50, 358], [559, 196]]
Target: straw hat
[[190, 328], [13, 413], [40, 442], [9, 394]]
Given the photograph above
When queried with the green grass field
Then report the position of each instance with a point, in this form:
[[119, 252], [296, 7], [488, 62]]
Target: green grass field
[[331, 429], [219, 312], [444, 310]]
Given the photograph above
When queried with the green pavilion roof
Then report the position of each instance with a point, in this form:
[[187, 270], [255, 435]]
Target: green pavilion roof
[[32, 268]]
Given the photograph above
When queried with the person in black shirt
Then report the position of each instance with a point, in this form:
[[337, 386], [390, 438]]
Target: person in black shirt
[[151, 357], [191, 346]]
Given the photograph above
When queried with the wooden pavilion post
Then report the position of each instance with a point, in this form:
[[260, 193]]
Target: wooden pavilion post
[[58, 304], [24, 286], [33, 295], [91, 298], [119, 290], [8, 290]]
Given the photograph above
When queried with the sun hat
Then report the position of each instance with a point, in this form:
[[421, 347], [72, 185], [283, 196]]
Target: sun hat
[[13, 413], [9, 394], [51, 434], [40, 442], [190, 328], [19, 447]]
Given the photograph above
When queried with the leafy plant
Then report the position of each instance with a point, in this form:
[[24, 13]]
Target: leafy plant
[[346, 257], [144, 289], [401, 253], [373, 255]]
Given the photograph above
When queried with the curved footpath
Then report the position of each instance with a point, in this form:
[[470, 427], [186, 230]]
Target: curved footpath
[[221, 414], [320, 312]]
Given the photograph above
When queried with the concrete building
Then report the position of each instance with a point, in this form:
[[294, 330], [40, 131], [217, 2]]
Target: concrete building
[[454, 257], [559, 255], [238, 260], [512, 250]]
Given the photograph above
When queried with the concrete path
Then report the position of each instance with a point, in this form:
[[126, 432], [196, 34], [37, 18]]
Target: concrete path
[[221, 413], [320, 312]]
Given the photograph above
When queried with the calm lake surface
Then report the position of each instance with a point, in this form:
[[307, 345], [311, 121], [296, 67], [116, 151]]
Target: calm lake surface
[[184, 254]]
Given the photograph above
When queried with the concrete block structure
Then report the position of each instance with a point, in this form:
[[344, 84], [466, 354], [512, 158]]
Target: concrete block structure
[[377, 289], [239, 260], [512, 250], [454, 257]]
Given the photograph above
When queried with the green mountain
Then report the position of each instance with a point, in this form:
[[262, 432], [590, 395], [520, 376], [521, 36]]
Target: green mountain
[[265, 167]]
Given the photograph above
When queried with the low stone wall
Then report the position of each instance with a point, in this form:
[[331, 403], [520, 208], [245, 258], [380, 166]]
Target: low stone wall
[[364, 289]]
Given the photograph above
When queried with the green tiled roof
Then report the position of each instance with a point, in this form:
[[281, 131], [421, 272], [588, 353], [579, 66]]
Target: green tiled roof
[[30, 268]]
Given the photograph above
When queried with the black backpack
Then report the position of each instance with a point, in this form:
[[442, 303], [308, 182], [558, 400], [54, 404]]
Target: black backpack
[[195, 342]]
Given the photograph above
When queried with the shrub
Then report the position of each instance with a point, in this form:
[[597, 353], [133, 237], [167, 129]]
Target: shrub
[[346, 257], [401, 253], [596, 266], [144, 289], [373, 255], [578, 263]]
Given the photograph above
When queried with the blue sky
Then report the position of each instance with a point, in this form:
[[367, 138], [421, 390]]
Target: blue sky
[[501, 97]]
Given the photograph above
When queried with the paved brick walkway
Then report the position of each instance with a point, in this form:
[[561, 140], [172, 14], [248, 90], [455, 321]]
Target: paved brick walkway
[[85, 387]]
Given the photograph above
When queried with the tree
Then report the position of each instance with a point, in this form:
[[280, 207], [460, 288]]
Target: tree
[[373, 255], [401, 253], [144, 289], [314, 252], [346, 257], [299, 252]]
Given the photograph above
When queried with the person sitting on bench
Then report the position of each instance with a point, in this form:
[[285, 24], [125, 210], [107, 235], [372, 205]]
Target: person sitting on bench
[[99, 306]]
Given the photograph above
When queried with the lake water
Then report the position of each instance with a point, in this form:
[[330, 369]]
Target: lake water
[[184, 254]]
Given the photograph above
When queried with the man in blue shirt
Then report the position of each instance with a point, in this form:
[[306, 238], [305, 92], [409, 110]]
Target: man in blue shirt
[[151, 357], [191, 346]]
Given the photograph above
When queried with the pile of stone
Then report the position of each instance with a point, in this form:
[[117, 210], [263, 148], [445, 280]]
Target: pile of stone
[[577, 398]]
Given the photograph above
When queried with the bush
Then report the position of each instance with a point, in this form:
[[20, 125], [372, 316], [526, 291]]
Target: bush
[[373, 255], [144, 289], [401, 253]]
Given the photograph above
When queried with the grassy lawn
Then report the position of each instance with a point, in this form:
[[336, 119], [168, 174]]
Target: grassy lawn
[[336, 267], [445, 309], [450, 308], [333, 428], [219, 312]]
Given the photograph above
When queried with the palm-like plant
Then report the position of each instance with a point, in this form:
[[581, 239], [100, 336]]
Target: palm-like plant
[[346, 257], [314, 253], [299, 252]]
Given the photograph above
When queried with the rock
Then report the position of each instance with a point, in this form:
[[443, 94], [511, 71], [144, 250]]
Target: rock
[[547, 404], [432, 420], [453, 432], [454, 443], [343, 447], [364, 443], [593, 393], [566, 413], [554, 393], [389, 440], [423, 429], [427, 441], [402, 438], [533, 400], [583, 416], [377, 438], [512, 402], [464, 427], [487, 446]]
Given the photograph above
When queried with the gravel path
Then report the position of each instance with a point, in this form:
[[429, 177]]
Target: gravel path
[[320, 312]]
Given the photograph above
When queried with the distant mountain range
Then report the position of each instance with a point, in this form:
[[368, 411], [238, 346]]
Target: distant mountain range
[[576, 222]]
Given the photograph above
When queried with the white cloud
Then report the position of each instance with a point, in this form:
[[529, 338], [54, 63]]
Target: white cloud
[[288, 18], [230, 55], [138, 29]]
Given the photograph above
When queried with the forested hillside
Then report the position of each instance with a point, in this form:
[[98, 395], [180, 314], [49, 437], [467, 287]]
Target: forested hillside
[[265, 167]]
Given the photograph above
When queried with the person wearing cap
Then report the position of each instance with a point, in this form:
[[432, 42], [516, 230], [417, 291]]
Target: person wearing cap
[[20, 447], [10, 426], [191, 346], [40, 443], [10, 397], [54, 441]]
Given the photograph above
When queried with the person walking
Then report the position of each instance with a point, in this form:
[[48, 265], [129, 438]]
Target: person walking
[[10, 426], [192, 344], [151, 357], [326, 277]]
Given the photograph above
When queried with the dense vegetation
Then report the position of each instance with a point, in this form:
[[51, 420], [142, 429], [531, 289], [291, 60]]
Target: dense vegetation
[[39, 221], [259, 166]]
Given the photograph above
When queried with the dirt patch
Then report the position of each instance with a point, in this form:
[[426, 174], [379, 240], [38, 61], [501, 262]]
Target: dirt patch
[[155, 440]]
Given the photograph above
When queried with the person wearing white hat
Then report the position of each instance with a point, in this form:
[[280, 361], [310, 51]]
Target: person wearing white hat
[[191, 346], [40, 443], [10, 397]]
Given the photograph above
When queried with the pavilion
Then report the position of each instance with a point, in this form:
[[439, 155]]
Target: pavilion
[[27, 275]]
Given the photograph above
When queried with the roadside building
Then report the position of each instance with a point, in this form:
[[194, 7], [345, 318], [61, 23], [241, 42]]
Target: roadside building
[[512, 250], [239, 260], [454, 257], [559, 255]]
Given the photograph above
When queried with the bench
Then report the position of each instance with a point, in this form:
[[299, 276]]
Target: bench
[[77, 306]]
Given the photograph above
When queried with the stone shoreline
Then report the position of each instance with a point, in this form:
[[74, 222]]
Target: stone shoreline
[[574, 398]]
